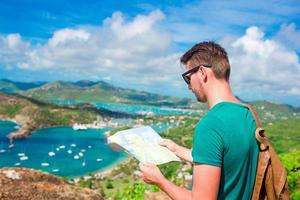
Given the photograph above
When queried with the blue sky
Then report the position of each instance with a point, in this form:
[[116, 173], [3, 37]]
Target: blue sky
[[137, 44]]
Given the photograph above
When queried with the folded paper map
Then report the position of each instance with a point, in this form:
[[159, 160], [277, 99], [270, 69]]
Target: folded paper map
[[142, 143]]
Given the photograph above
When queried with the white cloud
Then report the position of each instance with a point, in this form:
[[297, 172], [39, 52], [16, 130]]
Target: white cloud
[[138, 50], [12, 50], [289, 35], [262, 65], [67, 35]]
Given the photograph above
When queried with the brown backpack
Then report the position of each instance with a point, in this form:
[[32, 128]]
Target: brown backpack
[[271, 177]]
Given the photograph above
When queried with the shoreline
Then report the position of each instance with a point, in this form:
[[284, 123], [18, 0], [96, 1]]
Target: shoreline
[[103, 172], [11, 120], [23, 131]]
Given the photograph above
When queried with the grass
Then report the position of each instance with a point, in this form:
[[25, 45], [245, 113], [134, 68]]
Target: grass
[[10, 110], [284, 135]]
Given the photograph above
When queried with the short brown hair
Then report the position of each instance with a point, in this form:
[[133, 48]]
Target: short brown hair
[[209, 53]]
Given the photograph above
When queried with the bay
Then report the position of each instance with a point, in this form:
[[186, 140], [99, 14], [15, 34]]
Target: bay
[[58, 150]]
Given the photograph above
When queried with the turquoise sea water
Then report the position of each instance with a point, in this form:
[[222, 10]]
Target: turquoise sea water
[[64, 102], [53, 150], [142, 109], [131, 108]]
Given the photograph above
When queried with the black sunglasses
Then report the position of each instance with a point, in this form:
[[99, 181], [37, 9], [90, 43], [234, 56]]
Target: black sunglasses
[[187, 75]]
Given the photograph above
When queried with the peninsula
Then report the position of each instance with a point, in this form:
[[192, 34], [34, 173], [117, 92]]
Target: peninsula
[[32, 114]]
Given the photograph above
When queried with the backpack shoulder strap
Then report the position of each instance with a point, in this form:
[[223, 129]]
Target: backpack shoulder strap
[[259, 192], [260, 132], [254, 115]]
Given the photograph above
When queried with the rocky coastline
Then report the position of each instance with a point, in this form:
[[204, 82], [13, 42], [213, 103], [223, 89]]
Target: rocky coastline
[[24, 183]]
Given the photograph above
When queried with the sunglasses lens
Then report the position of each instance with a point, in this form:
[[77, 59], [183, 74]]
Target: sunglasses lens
[[187, 79]]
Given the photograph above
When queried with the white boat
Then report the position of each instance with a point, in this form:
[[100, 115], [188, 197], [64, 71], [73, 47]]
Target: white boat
[[45, 164], [57, 149], [17, 164], [76, 157], [97, 125], [82, 150], [73, 145], [99, 159], [2, 150], [69, 151], [83, 163], [147, 113], [62, 146], [90, 146], [11, 146], [51, 153], [55, 170], [80, 154], [78, 127], [21, 154], [24, 158]]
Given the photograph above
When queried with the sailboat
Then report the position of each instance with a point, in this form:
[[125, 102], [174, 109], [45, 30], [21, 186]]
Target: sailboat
[[54, 167], [45, 164], [11, 145]]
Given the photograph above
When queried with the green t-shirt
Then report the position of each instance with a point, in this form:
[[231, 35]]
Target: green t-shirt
[[225, 137]]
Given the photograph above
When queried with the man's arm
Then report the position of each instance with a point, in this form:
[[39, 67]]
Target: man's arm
[[180, 151], [206, 182]]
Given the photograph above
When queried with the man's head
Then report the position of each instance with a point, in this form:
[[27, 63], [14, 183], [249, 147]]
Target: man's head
[[208, 62]]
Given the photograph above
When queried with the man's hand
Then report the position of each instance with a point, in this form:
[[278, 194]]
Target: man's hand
[[180, 151], [151, 173], [172, 146]]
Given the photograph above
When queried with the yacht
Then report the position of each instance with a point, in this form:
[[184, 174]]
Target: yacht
[[24, 158], [45, 164], [78, 127]]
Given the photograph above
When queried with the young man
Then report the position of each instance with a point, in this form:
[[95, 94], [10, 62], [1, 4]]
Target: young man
[[225, 151]]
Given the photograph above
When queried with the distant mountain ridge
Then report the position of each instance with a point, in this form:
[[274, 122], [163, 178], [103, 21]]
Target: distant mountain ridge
[[103, 92], [100, 91], [15, 86], [86, 91]]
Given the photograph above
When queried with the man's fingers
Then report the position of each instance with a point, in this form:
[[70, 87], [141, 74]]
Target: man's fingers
[[163, 143], [142, 166], [149, 165]]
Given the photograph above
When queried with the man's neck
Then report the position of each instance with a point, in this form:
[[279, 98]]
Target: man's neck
[[219, 92]]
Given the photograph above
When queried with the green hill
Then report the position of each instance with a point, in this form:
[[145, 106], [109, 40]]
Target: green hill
[[11, 87], [33, 114], [270, 111], [100, 92]]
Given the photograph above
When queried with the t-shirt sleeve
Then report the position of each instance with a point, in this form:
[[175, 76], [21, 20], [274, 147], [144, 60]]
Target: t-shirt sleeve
[[208, 145]]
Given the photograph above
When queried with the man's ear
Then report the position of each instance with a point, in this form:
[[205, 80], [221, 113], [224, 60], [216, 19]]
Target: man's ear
[[203, 74]]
